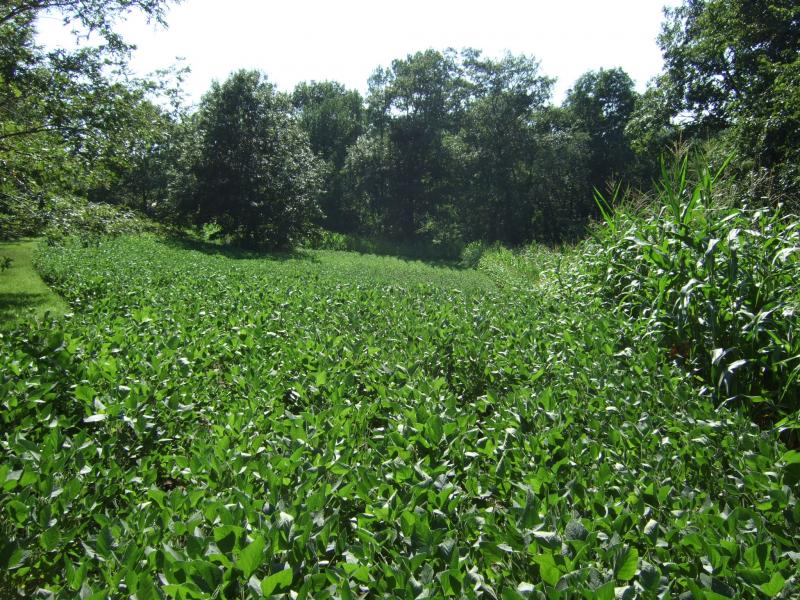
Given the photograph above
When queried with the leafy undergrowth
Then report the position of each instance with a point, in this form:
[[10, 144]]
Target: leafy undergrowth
[[333, 425], [62, 216], [529, 268]]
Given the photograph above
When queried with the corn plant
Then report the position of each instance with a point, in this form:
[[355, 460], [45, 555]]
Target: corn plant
[[714, 282]]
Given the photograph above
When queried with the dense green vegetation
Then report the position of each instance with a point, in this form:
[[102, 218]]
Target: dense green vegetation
[[76, 122], [713, 282], [732, 71], [192, 417], [209, 423], [249, 170]]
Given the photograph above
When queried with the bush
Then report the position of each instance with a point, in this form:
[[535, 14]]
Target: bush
[[63, 216], [509, 268], [21, 216], [329, 240], [471, 254], [712, 281]]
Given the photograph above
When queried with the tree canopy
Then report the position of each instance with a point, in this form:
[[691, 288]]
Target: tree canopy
[[333, 117], [734, 65], [447, 147], [601, 104], [456, 149], [71, 121], [252, 171]]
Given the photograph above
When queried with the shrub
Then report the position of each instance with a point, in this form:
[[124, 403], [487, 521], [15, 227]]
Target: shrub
[[471, 254], [508, 268], [62, 216], [21, 216]]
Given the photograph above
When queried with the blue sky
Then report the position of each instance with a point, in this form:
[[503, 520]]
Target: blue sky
[[346, 40]]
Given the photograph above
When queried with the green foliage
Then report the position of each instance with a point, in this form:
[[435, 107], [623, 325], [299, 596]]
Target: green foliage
[[601, 104], [532, 268], [714, 283], [418, 249], [248, 165], [502, 148], [412, 107], [333, 117], [63, 216], [75, 121], [461, 147], [651, 131], [734, 65], [137, 170], [508, 268], [216, 424], [471, 254], [92, 221]]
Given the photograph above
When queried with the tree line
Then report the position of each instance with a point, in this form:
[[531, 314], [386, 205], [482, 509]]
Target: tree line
[[447, 147]]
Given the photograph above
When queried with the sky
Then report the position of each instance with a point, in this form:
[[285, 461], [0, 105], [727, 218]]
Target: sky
[[303, 40]]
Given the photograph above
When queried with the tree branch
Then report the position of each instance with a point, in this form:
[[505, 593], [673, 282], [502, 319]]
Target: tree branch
[[41, 129]]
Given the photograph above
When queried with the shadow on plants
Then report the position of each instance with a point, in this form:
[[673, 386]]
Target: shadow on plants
[[14, 304], [237, 253]]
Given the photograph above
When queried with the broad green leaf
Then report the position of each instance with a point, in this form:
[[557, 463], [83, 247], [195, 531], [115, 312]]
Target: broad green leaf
[[227, 537], [774, 586], [548, 570], [280, 581], [604, 592], [791, 457], [85, 393], [251, 557], [50, 538], [146, 589], [356, 571], [626, 564], [575, 530], [18, 511]]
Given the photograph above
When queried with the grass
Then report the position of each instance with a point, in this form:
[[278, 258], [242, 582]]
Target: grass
[[335, 425], [23, 294]]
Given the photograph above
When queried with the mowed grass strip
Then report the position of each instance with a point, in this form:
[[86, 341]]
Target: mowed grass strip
[[22, 291]]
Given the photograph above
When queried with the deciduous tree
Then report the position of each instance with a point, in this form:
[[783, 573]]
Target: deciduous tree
[[601, 104], [333, 117], [68, 119], [252, 170], [735, 66]]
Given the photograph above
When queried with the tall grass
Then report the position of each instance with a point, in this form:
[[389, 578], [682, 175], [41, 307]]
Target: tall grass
[[527, 268], [714, 282]]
